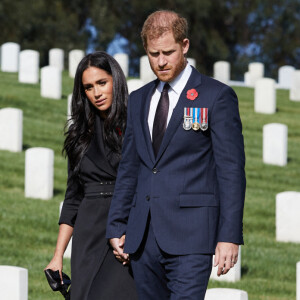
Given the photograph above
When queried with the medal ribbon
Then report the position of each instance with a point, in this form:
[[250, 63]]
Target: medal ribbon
[[194, 114], [204, 118], [197, 112]]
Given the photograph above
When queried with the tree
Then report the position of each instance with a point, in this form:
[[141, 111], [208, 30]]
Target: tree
[[276, 32], [215, 27], [42, 25], [239, 31]]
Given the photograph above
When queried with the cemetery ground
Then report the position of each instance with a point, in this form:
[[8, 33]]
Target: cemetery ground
[[28, 227]]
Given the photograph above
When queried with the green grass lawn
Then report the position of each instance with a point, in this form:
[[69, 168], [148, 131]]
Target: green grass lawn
[[28, 227]]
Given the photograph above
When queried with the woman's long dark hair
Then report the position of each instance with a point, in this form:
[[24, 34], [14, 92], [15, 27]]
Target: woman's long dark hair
[[81, 129]]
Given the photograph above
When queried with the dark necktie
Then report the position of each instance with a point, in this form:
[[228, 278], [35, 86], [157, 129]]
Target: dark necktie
[[160, 119]]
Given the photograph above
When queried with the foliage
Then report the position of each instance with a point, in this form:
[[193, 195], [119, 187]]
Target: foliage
[[275, 28], [222, 30], [239, 31], [42, 25], [29, 226]]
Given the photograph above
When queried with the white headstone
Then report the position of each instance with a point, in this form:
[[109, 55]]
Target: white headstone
[[10, 57], [255, 72], [222, 71], [69, 107], [285, 75], [298, 281], [39, 164], [13, 283], [247, 79], [192, 61], [122, 59], [257, 69], [146, 73], [56, 58], [11, 129], [134, 84], [68, 251], [275, 144], [51, 82], [225, 294], [287, 217], [295, 87], [75, 56], [265, 96], [233, 275], [29, 64]]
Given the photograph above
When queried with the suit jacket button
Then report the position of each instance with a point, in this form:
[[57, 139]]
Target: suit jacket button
[[147, 197], [154, 170]]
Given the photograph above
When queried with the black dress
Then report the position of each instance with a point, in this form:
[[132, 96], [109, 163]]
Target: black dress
[[95, 273]]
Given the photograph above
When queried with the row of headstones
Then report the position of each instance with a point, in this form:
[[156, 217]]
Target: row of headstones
[[288, 76], [26, 62], [12, 60]]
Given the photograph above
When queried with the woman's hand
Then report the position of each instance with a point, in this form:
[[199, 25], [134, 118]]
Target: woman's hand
[[55, 264], [64, 236]]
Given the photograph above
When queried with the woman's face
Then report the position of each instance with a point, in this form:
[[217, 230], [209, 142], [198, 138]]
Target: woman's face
[[98, 87]]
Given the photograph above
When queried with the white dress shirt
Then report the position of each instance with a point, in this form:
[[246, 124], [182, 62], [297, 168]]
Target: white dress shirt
[[176, 88]]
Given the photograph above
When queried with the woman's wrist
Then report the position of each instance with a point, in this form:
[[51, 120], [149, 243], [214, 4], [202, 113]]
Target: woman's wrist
[[58, 254]]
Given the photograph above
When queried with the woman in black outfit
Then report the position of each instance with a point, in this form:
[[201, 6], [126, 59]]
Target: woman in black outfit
[[93, 147]]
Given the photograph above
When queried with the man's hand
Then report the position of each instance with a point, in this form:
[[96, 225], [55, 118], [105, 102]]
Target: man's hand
[[226, 257], [118, 245]]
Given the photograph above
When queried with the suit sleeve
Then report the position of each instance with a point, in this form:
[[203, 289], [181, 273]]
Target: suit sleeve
[[228, 150], [73, 198], [125, 184]]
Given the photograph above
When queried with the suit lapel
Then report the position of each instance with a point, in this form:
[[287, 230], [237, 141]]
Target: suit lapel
[[177, 115], [144, 119]]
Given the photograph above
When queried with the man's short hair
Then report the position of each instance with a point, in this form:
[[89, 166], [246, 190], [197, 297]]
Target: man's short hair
[[163, 21]]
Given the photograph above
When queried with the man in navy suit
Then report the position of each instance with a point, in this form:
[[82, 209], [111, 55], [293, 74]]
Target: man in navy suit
[[180, 189]]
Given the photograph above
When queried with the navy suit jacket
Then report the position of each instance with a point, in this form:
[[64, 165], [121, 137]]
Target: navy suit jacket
[[195, 187]]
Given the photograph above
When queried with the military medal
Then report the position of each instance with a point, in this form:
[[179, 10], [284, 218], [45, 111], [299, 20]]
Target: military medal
[[204, 119], [188, 117], [196, 114]]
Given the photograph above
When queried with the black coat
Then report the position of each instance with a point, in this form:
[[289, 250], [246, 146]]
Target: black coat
[[95, 272]]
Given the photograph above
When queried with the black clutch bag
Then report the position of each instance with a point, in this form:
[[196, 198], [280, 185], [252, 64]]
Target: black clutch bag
[[54, 281]]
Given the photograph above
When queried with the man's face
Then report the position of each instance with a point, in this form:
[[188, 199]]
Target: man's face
[[166, 57]]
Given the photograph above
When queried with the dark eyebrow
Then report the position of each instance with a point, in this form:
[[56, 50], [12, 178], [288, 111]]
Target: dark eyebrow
[[169, 51], [86, 85], [153, 52]]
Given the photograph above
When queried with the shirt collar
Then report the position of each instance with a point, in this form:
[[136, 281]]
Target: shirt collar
[[179, 82]]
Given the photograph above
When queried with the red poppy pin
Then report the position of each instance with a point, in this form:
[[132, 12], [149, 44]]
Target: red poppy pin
[[192, 94], [119, 131]]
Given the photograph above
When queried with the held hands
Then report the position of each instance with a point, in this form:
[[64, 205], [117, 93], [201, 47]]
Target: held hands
[[226, 257], [118, 246]]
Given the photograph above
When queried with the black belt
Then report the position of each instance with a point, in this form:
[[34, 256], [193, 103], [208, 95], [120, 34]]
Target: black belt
[[105, 188]]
